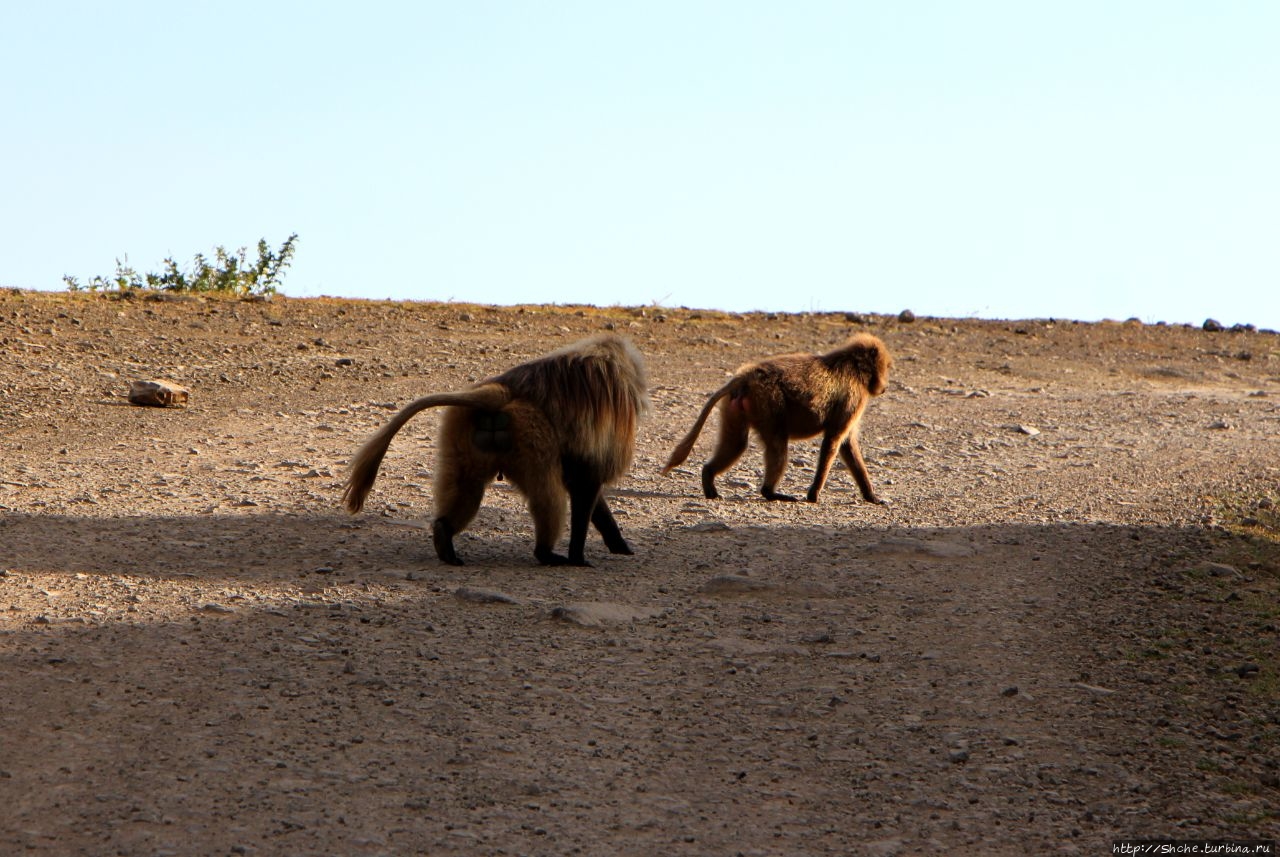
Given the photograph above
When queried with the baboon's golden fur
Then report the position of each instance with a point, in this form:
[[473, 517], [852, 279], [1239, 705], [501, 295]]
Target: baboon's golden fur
[[561, 424], [793, 396]]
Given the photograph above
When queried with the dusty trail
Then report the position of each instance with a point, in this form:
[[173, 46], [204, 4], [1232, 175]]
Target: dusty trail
[[1026, 650]]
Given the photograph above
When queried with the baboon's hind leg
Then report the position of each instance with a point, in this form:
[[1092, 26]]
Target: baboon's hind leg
[[456, 506], [533, 466], [826, 457], [545, 496], [730, 445], [442, 534], [462, 474], [775, 464]]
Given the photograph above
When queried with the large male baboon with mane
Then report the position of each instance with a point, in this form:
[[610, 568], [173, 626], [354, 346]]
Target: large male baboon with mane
[[562, 424]]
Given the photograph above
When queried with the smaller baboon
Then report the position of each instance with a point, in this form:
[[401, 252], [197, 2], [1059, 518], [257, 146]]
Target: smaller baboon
[[561, 424], [790, 397]]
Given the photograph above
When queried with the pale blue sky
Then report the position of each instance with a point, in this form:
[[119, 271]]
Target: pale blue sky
[[1003, 159]]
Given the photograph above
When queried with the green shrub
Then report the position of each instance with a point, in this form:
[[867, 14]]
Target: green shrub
[[228, 273]]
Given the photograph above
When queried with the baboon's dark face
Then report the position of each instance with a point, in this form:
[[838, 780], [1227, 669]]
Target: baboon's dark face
[[879, 380], [877, 385]]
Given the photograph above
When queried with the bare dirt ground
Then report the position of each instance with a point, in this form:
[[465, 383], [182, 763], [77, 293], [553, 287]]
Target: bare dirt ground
[[1027, 651]]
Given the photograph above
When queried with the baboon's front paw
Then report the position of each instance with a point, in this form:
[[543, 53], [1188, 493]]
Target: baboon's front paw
[[550, 558], [774, 495], [621, 548]]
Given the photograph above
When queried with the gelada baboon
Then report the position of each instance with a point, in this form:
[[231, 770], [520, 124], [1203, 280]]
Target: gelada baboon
[[794, 396], [561, 424]]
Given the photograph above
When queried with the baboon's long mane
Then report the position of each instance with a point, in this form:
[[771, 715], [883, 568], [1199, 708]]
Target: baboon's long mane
[[595, 390]]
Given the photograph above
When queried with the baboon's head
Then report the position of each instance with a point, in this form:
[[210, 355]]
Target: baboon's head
[[878, 376], [872, 360]]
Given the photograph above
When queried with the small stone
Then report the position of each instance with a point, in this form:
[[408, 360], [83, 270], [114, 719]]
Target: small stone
[[483, 596], [1030, 431], [959, 756], [344, 361], [884, 848], [906, 316], [1010, 691], [1247, 670], [595, 614], [708, 527], [1212, 325], [906, 544], [158, 394]]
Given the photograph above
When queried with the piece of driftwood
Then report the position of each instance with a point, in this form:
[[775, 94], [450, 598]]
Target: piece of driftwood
[[158, 394]]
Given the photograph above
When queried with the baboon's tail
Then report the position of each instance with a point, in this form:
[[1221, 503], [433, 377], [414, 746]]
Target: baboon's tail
[[365, 464], [684, 447]]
